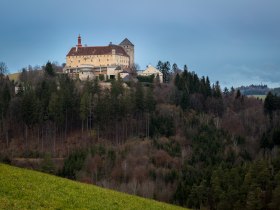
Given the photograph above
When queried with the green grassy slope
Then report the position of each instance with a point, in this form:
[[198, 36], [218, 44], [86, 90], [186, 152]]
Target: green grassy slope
[[26, 189]]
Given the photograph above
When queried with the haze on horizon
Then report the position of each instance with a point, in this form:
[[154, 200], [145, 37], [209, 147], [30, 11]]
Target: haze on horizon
[[235, 42]]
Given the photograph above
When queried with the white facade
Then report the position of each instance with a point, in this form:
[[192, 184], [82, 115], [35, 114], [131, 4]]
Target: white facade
[[150, 70], [112, 72], [86, 72]]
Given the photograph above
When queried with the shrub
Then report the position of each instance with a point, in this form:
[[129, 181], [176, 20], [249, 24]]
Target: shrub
[[73, 164], [47, 164]]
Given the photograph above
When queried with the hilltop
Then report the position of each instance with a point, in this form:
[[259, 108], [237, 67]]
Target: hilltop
[[25, 189]]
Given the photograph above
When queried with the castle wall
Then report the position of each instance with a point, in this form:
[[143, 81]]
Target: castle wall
[[97, 60]]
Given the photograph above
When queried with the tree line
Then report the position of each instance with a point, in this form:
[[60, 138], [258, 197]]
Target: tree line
[[184, 141]]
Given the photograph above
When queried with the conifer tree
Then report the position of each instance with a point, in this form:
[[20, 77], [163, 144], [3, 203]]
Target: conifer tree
[[186, 68], [177, 81], [49, 69], [149, 101], [208, 87], [5, 99], [217, 93], [184, 100], [165, 70], [269, 103], [139, 97], [84, 108], [238, 94]]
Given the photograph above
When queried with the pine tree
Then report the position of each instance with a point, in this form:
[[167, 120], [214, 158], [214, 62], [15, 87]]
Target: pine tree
[[6, 97], [84, 108], [149, 101], [49, 69], [238, 94], [186, 68], [165, 70], [29, 108], [184, 103], [139, 97], [226, 91], [174, 68], [159, 65], [269, 103], [208, 87], [177, 81], [217, 93]]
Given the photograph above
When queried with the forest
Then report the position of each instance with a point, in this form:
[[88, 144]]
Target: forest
[[184, 141]]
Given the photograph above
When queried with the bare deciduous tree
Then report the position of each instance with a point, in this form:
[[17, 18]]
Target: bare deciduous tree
[[3, 68]]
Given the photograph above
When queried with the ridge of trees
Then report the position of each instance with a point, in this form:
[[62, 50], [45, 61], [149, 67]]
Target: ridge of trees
[[183, 141]]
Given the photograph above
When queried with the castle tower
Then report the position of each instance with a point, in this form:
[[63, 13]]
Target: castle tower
[[79, 45], [129, 48]]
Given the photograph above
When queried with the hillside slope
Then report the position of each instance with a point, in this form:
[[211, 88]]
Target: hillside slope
[[26, 189], [14, 76]]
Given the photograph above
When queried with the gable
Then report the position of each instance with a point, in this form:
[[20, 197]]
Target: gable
[[152, 70]]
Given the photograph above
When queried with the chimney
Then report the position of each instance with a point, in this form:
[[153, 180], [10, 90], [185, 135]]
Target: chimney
[[79, 45]]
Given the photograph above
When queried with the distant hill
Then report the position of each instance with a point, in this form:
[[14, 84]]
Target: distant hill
[[254, 90], [14, 76], [26, 189], [276, 91]]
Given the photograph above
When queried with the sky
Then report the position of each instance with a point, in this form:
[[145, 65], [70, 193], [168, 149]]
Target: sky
[[236, 42]]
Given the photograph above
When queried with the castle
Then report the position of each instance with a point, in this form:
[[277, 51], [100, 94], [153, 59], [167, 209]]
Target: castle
[[88, 62]]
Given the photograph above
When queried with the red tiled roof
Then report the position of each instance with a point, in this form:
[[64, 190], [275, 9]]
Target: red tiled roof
[[102, 50]]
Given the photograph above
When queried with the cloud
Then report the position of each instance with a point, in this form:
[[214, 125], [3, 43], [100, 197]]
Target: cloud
[[238, 75]]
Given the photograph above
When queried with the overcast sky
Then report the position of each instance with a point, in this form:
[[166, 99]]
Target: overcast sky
[[234, 41]]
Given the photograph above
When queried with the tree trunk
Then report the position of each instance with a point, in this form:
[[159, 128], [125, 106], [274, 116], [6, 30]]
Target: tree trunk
[[65, 124], [54, 143], [42, 145], [26, 130], [82, 126], [7, 137], [98, 133]]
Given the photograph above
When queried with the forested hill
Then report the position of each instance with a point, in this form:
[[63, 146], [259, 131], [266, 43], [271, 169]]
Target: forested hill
[[254, 90], [184, 141], [276, 91]]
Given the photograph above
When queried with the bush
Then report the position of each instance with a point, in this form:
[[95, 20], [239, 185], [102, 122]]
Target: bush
[[47, 165], [148, 79], [73, 164], [162, 125], [172, 147], [5, 159]]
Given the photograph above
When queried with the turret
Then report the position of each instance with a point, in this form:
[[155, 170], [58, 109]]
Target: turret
[[79, 45]]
